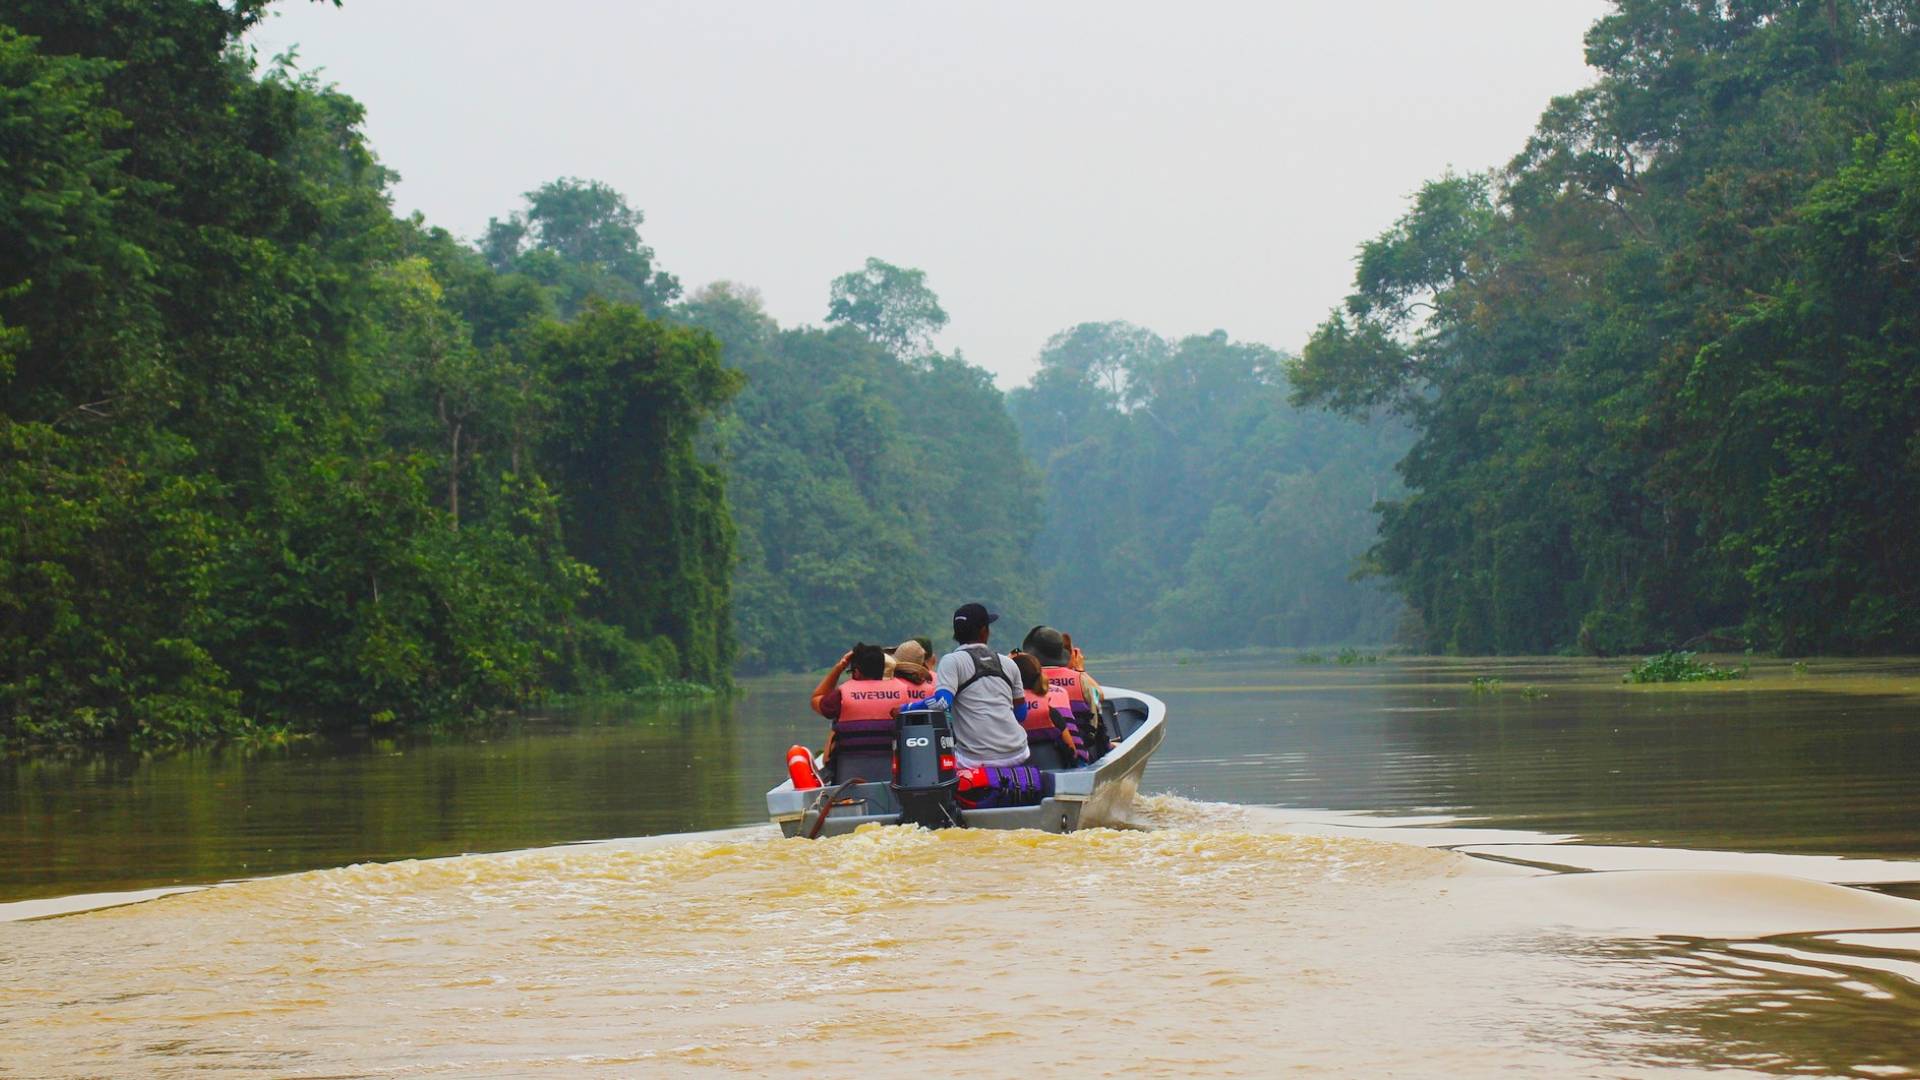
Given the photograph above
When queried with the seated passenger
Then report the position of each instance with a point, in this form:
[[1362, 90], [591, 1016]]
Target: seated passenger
[[983, 699], [862, 709], [1050, 647], [1049, 719], [908, 661]]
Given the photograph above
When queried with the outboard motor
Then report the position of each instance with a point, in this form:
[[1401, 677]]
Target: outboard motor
[[923, 771]]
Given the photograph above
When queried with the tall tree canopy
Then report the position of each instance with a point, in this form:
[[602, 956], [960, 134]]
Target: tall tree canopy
[[1663, 364], [892, 305], [582, 239], [270, 455]]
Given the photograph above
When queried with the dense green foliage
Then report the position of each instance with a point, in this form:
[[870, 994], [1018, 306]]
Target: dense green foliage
[[580, 238], [876, 484], [1682, 666], [269, 455], [1188, 504], [1665, 366]]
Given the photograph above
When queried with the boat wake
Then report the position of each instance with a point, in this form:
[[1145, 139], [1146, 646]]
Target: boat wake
[[1202, 939]]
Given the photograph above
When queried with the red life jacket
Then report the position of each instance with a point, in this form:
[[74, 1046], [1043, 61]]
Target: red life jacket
[[1043, 724], [1058, 701], [1068, 680], [865, 723]]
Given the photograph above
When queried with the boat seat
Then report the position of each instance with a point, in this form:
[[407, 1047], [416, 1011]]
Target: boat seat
[[873, 768], [1123, 720], [1049, 757]]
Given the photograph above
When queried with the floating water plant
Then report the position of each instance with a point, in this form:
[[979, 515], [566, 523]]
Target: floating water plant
[[1679, 667]]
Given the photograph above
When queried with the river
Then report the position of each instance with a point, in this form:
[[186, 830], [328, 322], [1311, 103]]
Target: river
[[1366, 869]]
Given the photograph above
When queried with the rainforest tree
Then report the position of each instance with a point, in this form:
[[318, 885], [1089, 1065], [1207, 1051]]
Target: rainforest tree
[[1662, 364], [270, 455]]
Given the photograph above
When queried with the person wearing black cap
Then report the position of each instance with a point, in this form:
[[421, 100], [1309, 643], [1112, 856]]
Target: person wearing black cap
[[982, 692]]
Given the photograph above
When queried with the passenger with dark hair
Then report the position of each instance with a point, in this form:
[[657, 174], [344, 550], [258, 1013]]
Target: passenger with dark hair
[[1065, 671], [861, 744], [1049, 719]]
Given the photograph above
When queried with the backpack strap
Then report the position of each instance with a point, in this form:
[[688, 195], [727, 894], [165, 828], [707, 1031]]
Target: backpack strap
[[986, 665]]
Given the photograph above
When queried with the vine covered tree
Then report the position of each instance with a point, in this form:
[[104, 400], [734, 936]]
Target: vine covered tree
[[271, 456]]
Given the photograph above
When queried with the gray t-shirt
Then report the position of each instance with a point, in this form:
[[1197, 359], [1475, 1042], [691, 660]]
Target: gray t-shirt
[[984, 729]]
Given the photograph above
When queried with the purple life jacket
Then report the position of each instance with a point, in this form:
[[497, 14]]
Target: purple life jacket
[[991, 786]]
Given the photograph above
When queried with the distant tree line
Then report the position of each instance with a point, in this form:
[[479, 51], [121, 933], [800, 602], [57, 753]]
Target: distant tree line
[[876, 483], [1665, 365], [1189, 505]]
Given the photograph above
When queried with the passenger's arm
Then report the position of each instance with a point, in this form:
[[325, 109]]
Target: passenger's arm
[[831, 680], [943, 695], [1090, 690], [1020, 709]]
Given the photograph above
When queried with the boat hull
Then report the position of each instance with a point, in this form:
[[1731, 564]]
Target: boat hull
[[1086, 797]]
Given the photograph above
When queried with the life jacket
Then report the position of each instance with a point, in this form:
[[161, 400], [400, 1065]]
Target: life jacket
[[1045, 719], [865, 723], [906, 672], [1064, 682], [986, 665], [987, 786]]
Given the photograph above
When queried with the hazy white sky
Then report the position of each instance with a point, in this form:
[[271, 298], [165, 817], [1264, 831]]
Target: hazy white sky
[[1185, 166]]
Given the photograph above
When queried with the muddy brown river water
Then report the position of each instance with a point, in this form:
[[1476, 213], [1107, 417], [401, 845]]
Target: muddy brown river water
[[1370, 870]]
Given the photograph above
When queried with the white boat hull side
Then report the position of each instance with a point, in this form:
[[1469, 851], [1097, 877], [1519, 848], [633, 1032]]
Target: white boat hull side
[[1096, 795]]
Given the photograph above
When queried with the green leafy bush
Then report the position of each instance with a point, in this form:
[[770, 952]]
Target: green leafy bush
[[1670, 667]]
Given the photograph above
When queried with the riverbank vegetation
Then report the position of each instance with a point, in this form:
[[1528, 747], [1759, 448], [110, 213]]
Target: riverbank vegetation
[[273, 460], [270, 456], [1664, 366]]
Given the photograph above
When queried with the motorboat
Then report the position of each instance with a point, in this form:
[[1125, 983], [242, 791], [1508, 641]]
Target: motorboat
[[1088, 796]]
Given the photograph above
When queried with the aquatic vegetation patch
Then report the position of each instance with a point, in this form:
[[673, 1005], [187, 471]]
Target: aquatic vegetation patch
[[1311, 658], [1485, 684], [1671, 667], [1349, 657], [1532, 693]]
